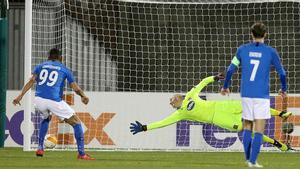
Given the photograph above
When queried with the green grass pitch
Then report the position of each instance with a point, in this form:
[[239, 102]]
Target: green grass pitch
[[15, 158]]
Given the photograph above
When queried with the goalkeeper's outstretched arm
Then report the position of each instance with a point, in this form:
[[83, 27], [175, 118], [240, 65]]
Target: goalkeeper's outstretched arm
[[197, 89], [173, 118]]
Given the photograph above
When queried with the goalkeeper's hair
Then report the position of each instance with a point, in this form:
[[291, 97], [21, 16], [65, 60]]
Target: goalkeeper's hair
[[258, 30], [54, 54]]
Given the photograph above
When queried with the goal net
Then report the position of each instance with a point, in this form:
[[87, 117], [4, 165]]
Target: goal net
[[130, 56]]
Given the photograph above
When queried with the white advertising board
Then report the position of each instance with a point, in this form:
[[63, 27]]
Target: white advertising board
[[107, 117]]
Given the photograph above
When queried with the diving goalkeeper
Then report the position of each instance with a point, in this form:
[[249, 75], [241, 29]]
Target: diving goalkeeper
[[225, 114]]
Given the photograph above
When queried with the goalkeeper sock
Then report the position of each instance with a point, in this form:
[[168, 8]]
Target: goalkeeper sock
[[274, 112], [42, 133], [79, 138], [247, 139], [267, 139], [255, 147]]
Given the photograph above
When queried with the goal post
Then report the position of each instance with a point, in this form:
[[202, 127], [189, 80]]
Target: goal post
[[27, 73], [130, 56]]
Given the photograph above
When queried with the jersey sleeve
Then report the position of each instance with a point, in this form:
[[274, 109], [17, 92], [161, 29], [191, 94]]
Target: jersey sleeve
[[230, 70], [197, 89], [173, 118], [277, 63], [235, 62], [70, 76], [37, 69], [279, 69], [237, 57]]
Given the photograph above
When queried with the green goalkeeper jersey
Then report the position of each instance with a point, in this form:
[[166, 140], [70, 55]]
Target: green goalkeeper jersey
[[225, 114]]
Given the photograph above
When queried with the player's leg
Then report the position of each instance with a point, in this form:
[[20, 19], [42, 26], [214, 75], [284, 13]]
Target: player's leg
[[40, 105], [247, 137], [65, 112], [43, 131], [261, 113], [247, 115], [78, 131], [76, 124], [283, 114], [281, 146], [259, 127]]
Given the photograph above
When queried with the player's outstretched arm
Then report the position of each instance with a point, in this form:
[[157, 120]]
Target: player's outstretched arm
[[231, 69], [138, 127], [26, 87], [280, 70], [79, 91], [235, 62]]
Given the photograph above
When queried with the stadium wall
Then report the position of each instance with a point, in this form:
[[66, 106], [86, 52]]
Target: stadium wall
[[106, 123], [16, 33]]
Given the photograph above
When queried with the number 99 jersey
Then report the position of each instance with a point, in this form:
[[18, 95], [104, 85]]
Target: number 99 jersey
[[256, 59], [51, 76]]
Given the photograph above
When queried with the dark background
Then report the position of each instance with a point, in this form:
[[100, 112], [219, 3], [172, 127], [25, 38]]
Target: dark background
[[170, 47]]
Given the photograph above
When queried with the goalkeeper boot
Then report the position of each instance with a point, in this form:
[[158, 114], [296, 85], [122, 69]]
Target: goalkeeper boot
[[85, 157], [256, 165], [285, 115], [39, 153], [280, 145]]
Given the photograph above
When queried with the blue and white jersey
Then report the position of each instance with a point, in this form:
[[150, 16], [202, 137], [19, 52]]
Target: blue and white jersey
[[51, 76], [255, 60]]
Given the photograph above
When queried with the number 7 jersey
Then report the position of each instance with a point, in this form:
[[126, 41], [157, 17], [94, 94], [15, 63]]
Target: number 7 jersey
[[256, 59], [51, 76]]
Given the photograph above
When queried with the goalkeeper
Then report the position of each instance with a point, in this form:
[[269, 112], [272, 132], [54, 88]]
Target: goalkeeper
[[225, 114]]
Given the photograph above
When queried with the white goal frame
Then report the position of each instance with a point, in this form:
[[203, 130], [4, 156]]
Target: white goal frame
[[28, 106]]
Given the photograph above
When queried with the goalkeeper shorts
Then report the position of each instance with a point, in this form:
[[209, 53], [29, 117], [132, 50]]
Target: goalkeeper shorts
[[255, 108], [46, 107]]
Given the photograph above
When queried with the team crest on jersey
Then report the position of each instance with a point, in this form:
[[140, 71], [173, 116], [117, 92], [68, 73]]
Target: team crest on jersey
[[190, 105]]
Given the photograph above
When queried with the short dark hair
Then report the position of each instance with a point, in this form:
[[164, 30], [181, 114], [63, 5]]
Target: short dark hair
[[54, 54], [258, 30]]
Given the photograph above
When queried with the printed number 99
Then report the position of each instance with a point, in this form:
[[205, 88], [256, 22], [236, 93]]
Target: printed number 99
[[53, 76]]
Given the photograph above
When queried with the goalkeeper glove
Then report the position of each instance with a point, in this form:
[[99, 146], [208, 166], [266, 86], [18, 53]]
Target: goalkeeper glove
[[137, 127], [219, 76]]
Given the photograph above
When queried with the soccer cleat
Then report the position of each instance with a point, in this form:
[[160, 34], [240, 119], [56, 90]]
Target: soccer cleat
[[280, 145], [285, 115], [39, 153], [85, 157], [256, 165]]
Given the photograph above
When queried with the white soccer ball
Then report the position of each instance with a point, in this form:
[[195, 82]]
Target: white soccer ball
[[50, 142]]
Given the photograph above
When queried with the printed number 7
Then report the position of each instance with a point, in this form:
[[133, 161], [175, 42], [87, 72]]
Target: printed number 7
[[256, 64]]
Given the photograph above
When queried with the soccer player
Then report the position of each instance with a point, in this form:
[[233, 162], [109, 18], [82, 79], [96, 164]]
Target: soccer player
[[50, 77], [226, 114], [255, 59]]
